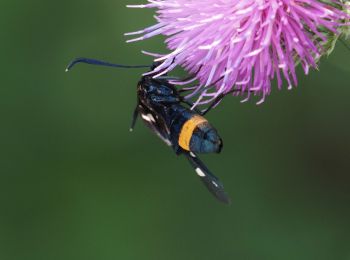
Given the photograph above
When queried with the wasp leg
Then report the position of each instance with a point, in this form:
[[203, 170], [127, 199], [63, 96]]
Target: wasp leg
[[184, 90], [217, 101], [212, 183], [191, 78], [191, 105], [167, 78], [134, 117], [214, 103]]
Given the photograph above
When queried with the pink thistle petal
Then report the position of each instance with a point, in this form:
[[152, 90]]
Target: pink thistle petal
[[242, 44]]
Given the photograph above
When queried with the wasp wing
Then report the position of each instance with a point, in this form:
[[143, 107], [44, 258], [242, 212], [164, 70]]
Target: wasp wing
[[213, 184], [155, 122]]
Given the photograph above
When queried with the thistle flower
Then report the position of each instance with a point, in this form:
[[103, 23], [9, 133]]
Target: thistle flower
[[240, 46]]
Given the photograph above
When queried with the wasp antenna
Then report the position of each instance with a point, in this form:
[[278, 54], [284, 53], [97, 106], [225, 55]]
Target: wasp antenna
[[134, 117], [102, 63]]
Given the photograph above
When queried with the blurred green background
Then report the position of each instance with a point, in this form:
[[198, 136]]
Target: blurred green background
[[76, 184]]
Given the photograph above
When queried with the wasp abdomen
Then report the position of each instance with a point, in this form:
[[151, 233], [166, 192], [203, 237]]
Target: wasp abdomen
[[198, 136]]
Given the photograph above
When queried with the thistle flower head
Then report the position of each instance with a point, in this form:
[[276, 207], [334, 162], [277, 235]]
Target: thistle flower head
[[240, 46]]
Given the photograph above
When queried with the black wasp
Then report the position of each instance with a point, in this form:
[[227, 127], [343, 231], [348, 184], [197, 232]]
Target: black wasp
[[168, 114]]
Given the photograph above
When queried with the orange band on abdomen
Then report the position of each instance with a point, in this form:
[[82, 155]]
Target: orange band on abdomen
[[187, 131]]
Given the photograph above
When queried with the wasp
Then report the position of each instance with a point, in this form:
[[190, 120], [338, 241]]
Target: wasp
[[169, 115]]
